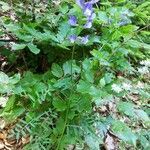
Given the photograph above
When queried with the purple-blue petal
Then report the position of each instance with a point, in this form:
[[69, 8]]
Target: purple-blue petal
[[93, 15], [85, 39], [72, 20], [72, 38], [123, 23], [80, 3], [88, 9], [89, 21], [93, 1], [88, 24]]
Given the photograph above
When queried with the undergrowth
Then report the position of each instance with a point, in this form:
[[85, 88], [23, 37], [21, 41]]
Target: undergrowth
[[76, 73]]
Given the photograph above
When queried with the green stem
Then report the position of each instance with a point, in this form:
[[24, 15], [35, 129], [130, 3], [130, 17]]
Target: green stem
[[65, 124], [67, 111], [72, 57]]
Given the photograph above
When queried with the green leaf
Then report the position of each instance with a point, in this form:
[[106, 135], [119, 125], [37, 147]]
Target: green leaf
[[10, 104], [102, 56], [4, 79], [59, 104], [70, 67], [33, 48], [116, 35], [86, 64], [102, 16], [130, 110], [83, 87], [13, 114], [63, 83], [64, 8], [57, 70], [26, 38], [137, 44], [59, 126], [144, 141], [109, 77], [128, 29], [102, 82], [18, 46], [123, 132], [89, 75], [5, 85], [142, 115], [48, 35], [84, 104], [92, 141], [15, 79], [126, 108], [64, 29], [31, 30]]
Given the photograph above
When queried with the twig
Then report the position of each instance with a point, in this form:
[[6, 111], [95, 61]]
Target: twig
[[9, 40], [33, 10], [24, 61]]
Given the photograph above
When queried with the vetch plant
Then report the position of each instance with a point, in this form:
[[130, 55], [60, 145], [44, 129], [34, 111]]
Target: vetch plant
[[71, 78]]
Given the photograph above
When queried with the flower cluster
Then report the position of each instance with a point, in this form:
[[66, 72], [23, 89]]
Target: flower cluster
[[116, 88], [87, 8]]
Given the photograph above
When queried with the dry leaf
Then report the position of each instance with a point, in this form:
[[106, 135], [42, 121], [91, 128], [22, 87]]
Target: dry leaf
[[1, 145], [2, 123], [25, 140], [110, 143], [70, 147], [2, 136]]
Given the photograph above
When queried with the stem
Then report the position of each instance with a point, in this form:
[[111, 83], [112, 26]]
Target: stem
[[72, 56], [68, 107], [24, 61]]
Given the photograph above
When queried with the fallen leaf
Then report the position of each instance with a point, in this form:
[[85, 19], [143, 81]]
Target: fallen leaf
[[1, 145], [2, 136], [134, 98], [2, 123], [25, 140], [70, 147]]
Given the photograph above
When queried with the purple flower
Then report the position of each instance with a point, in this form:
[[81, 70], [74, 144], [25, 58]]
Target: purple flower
[[72, 20], [88, 24], [88, 9], [72, 38], [89, 21], [80, 3], [85, 39], [93, 15], [123, 23]]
